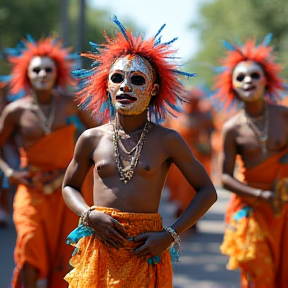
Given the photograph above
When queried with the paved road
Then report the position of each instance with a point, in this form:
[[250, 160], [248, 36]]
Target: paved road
[[201, 265]]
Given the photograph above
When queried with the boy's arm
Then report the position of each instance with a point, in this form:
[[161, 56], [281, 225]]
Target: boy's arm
[[195, 173]]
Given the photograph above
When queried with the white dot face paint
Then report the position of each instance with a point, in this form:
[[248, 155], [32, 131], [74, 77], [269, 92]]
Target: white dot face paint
[[42, 73], [130, 84], [249, 81]]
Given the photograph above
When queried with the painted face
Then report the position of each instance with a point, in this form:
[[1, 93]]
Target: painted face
[[42, 73], [249, 81], [130, 84]]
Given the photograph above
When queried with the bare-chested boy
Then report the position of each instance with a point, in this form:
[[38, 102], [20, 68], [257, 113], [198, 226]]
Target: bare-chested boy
[[121, 242]]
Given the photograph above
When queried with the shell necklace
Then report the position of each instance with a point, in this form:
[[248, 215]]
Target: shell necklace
[[45, 122], [262, 136], [126, 173]]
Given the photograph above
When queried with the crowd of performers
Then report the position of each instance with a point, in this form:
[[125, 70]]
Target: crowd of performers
[[98, 187]]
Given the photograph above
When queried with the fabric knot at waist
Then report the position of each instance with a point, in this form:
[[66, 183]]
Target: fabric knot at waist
[[45, 180]]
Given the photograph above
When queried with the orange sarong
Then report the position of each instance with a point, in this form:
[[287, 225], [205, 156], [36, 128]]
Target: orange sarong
[[98, 265], [43, 221], [256, 240]]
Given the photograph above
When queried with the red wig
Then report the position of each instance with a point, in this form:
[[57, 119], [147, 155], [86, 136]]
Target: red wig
[[95, 81], [260, 54], [47, 47]]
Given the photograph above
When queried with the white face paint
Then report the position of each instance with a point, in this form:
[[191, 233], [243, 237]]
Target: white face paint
[[42, 73], [249, 81], [131, 85]]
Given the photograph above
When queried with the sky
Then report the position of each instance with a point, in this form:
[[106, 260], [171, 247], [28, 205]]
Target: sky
[[150, 15]]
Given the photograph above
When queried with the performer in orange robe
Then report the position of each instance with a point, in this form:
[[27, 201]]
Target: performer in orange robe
[[251, 226], [43, 221], [195, 125], [41, 121], [255, 142]]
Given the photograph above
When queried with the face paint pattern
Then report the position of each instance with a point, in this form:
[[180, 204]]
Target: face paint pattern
[[42, 73], [130, 84], [249, 81]]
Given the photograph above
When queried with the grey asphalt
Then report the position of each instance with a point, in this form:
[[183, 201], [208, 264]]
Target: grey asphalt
[[201, 264]]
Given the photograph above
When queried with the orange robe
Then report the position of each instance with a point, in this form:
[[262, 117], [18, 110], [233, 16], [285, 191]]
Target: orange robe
[[256, 240], [98, 265], [43, 221]]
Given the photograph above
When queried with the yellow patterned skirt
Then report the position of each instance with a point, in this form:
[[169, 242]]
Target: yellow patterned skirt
[[98, 265]]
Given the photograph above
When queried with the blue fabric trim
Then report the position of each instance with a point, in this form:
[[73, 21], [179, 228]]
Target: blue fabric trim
[[244, 212], [78, 233]]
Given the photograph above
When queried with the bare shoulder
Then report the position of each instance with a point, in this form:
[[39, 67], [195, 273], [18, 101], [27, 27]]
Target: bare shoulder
[[93, 135], [166, 138], [276, 109], [232, 124], [164, 133], [17, 107]]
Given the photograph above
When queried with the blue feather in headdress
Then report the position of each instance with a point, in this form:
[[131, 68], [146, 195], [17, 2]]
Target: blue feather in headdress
[[171, 41], [228, 46], [159, 31], [120, 26], [267, 39]]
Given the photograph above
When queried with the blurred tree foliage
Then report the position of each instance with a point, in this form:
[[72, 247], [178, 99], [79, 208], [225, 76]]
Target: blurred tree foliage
[[19, 18], [238, 21], [39, 18]]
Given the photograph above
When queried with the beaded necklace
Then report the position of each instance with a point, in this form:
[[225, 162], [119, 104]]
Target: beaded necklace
[[126, 173], [45, 122], [262, 136]]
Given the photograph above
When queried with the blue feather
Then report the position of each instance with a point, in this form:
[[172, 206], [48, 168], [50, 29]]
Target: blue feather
[[103, 107], [30, 38], [159, 31], [120, 26], [5, 78], [95, 64], [81, 73], [170, 42], [94, 46], [228, 45], [267, 39], [157, 41], [174, 107], [185, 73], [73, 56]]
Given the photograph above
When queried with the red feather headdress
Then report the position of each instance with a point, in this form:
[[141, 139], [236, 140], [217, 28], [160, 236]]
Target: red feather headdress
[[94, 82], [46, 47], [248, 52]]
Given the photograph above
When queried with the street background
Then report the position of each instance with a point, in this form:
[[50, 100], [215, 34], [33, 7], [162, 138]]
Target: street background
[[201, 264]]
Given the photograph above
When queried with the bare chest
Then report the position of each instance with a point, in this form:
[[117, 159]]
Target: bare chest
[[151, 161], [258, 141], [34, 125]]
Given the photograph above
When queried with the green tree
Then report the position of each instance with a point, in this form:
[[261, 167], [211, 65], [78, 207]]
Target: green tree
[[238, 21]]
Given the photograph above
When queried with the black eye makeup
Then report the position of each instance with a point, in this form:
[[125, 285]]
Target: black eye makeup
[[254, 76], [240, 77], [47, 70], [138, 80], [135, 80], [117, 78]]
